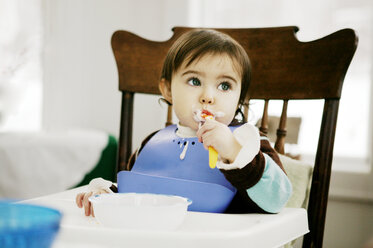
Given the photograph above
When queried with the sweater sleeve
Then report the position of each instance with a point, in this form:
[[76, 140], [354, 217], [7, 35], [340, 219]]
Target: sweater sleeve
[[260, 176], [273, 190]]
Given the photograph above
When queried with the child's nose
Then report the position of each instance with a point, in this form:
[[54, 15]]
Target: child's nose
[[207, 99]]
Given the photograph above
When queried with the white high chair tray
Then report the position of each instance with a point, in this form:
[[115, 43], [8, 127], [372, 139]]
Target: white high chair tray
[[198, 229]]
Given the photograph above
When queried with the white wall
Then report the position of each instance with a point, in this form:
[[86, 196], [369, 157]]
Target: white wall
[[20, 65], [80, 74], [348, 223], [80, 83]]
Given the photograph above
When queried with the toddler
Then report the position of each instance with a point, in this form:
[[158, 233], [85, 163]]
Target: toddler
[[206, 73]]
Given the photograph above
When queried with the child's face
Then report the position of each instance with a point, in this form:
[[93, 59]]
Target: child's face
[[211, 82]]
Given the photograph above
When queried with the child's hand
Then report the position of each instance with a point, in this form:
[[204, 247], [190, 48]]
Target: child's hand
[[82, 201], [215, 134], [96, 186]]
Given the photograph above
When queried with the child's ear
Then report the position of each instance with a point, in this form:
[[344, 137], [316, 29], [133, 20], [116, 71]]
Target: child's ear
[[165, 88]]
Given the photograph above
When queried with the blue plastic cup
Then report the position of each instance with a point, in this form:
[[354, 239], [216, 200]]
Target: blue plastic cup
[[25, 225]]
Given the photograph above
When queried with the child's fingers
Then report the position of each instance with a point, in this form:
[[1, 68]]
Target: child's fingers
[[206, 127], [208, 139], [92, 212], [87, 203], [79, 199]]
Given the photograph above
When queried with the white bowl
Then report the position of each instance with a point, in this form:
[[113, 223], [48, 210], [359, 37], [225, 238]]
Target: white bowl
[[140, 211]]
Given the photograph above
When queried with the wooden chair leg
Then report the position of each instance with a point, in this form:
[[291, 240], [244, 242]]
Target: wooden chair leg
[[321, 178], [125, 136]]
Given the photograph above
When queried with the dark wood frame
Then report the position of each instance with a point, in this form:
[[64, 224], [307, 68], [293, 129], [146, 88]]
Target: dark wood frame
[[283, 68]]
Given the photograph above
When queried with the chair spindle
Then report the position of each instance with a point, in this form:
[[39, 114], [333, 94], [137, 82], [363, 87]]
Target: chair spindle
[[264, 124], [169, 116], [281, 131]]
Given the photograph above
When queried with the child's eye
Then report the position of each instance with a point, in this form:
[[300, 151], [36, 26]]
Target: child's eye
[[194, 82], [224, 86]]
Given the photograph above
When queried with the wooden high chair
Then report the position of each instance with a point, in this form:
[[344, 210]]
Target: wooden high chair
[[282, 68]]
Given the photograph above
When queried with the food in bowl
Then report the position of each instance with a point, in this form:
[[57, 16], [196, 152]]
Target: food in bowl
[[140, 210]]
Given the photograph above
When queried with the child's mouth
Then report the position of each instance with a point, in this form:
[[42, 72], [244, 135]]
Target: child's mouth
[[206, 112], [200, 115]]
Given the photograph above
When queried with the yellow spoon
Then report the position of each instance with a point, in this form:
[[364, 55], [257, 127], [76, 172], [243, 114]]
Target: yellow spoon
[[213, 154], [213, 157]]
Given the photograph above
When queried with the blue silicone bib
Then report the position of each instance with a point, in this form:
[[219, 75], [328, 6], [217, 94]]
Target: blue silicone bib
[[172, 165]]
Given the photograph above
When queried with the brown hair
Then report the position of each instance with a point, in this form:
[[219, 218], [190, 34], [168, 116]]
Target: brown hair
[[198, 42]]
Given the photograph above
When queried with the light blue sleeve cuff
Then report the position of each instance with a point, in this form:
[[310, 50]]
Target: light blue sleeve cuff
[[273, 190]]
